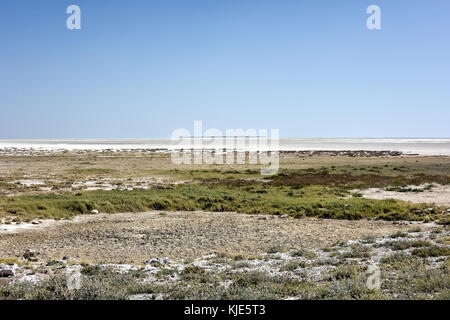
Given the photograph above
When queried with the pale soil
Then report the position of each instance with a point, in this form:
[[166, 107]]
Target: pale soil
[[136, 237], [439, 195]]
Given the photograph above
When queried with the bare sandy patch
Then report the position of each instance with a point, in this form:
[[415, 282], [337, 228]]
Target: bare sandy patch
[[13, 227], [438, 194]]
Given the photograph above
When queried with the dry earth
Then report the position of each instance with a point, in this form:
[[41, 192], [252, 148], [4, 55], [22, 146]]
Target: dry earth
[[439, 194], [136, 237]]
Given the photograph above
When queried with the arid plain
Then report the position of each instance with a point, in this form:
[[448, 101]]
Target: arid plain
[[317, 224]]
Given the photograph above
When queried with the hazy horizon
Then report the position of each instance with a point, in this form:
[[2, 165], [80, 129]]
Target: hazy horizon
[[421, 146], [224, 136]]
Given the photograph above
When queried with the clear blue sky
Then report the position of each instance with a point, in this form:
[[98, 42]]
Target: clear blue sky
[[140, 69]]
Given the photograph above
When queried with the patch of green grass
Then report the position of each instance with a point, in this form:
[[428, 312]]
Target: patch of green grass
[[192, 272], [395, 259], [293, 265], [402, 276], [346, 271], [403, 245], [399, 234], [105, 285], [411, 278], [315, 201], [432, 251], [445, 221], [324, 178], [274, 249], [244, 285], [350, 284], [92, 171], [164, 272], [369, 239], [305, 253], [238, 257], [9, 261], [444, 241], [357, 251], [404, 189], [92, 270]]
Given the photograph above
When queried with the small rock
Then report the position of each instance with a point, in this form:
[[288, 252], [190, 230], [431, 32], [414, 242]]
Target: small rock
[[35, 222], [6, 273], [284, 216], [65, 258], [155, 262], [28, 254], [52, 263], [94, 211]]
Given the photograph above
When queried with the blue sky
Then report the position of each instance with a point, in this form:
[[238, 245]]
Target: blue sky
[[140, 69]]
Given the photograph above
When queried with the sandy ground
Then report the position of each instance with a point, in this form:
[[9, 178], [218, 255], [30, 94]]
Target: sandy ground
[[137, 237], [439, 195]]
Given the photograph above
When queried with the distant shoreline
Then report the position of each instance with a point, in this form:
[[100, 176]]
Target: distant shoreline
[[349, 153], [404, 146]]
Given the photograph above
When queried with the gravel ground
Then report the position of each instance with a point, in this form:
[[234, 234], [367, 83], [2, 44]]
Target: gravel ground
[[136, 237], [342, 270]]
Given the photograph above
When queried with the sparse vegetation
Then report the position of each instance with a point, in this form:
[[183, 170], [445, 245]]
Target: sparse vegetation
[[399, 234], [9, 261], [357, 251], [305, 253], [275, 249], [368, 239], [306, 186], [345, 271], [314, 201], [432, 251], [293, 265], [403, 276], [322, 190], [403, 245]]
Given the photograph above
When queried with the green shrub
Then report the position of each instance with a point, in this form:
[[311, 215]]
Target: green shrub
[[433, 251]]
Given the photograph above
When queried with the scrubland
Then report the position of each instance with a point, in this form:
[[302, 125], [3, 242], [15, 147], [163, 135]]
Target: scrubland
[[311, 202]]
